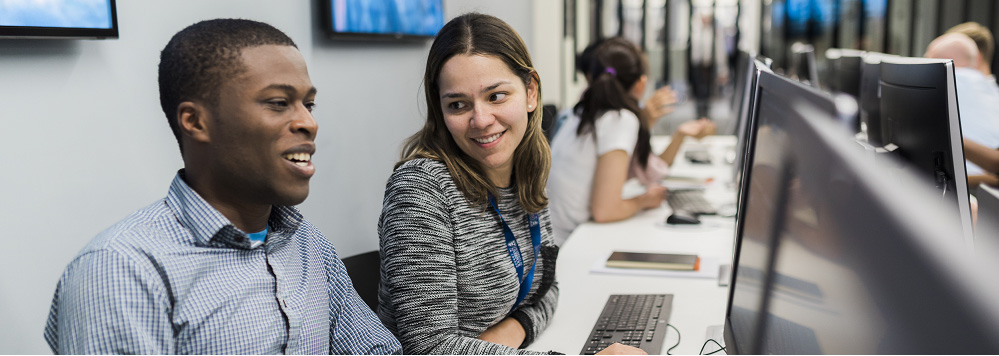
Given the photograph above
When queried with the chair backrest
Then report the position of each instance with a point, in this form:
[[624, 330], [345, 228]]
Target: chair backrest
[[365, 274]]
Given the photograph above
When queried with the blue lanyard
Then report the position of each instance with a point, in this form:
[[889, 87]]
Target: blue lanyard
[[513, 248]]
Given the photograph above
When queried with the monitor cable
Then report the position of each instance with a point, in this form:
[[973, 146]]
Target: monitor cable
[[722, 348], [677, 339]]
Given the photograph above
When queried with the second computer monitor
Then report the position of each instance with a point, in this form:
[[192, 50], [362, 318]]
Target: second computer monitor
[[844, 71], [869, 99], [802, 66], [919, 112]]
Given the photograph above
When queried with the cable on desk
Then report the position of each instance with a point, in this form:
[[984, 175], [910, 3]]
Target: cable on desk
[[677, 339], [722, 348]]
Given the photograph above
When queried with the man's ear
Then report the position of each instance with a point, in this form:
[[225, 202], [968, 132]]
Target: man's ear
[[192, 118]]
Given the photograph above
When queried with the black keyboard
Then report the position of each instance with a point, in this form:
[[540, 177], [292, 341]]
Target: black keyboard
[[637, 320], [690, 200]]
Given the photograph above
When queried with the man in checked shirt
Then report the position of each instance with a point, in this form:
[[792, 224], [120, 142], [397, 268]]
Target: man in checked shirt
[[224, 264]]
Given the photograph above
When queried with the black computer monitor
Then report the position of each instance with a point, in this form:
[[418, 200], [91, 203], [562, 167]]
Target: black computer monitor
[[870, 99], [744, 116], [844, 71], [742, 71], [754, 230], [857, 263], [988, 217], [919, 107], [802, 67], [844, 75]]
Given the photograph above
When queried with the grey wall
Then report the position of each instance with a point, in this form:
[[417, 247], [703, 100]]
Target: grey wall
[[84, 142]]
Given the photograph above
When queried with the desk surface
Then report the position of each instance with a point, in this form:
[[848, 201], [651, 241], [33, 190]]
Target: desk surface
[[698, 303]]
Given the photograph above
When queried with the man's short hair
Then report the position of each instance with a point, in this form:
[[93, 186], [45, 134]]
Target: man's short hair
[[982, 37], [199, 59]]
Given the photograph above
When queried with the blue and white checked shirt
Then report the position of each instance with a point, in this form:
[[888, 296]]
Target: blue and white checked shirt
[[177, 277]]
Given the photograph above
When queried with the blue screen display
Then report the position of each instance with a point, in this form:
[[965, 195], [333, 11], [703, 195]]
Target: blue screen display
[[94, 14], [408, 17]]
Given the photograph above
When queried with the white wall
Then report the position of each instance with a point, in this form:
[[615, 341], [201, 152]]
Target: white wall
[[84, 142], [546, 53]]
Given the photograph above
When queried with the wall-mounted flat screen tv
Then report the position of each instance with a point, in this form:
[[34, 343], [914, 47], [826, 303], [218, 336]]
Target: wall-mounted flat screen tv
[[58, 19], [385, 19]]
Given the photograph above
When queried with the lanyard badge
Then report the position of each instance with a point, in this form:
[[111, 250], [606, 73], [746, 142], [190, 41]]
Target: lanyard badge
[[513, 248]]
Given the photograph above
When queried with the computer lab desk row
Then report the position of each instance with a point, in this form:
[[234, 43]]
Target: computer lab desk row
[[698, 303]]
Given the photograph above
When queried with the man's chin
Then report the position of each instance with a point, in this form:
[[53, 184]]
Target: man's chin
[[292, 198]]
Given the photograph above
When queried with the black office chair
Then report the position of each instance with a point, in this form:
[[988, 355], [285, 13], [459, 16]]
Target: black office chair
[[549, 113], [364, 273]]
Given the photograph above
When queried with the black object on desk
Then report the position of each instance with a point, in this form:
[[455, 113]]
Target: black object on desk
[[698, 156], [637, 320], [680, 217]]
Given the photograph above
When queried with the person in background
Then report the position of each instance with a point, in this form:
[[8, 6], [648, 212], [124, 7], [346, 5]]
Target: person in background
[[224, 264], [977, 94], [985, 42], [659, 104], [468, 263], [608, 139], [708, 63]]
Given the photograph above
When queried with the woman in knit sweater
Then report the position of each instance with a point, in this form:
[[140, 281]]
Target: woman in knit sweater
[[468, 263]]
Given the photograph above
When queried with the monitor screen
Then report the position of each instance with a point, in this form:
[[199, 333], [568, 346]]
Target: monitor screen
[[858, 265], [417, 19], [58, 18]]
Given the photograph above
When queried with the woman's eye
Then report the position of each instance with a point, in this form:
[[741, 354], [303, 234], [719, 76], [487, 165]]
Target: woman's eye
[[278, 103], [457, 105], [310, 106], [497, 96]]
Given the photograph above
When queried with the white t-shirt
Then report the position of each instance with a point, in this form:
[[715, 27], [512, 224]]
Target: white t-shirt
[[574, 164], [978, 99]]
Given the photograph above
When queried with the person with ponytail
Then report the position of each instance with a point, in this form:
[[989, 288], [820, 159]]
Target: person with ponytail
[[606, 142]]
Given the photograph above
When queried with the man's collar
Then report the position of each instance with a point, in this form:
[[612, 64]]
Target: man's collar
[[206, 223]]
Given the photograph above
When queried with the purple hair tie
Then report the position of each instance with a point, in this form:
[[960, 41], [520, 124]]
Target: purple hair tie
[[611, 71]]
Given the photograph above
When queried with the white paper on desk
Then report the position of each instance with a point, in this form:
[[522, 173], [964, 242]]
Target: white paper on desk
[[708, 269]]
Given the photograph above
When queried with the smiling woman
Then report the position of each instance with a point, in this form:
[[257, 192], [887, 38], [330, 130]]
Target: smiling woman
[[468, 262]]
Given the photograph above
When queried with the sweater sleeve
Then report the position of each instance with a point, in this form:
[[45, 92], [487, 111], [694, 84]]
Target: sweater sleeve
[[418, 293], [535, 315]]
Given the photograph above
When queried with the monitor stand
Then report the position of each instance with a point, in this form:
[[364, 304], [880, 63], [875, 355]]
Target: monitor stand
[[724, 275]]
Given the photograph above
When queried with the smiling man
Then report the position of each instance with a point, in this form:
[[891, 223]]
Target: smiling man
[[224, 264]]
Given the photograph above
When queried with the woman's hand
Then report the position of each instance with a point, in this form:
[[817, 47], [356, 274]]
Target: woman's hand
[[660, 104], [620, 349], [697, 128], [653, 197], [508, 332]]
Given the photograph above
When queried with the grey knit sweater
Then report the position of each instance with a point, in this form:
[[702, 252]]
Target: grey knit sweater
[[446, 275]]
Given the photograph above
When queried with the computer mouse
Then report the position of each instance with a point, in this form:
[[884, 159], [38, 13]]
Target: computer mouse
[[680, 217]]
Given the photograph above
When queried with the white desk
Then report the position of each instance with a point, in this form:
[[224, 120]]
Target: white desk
[[697, 302]]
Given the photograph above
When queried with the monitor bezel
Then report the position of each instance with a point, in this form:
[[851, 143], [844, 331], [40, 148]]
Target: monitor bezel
[[760, 65]]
